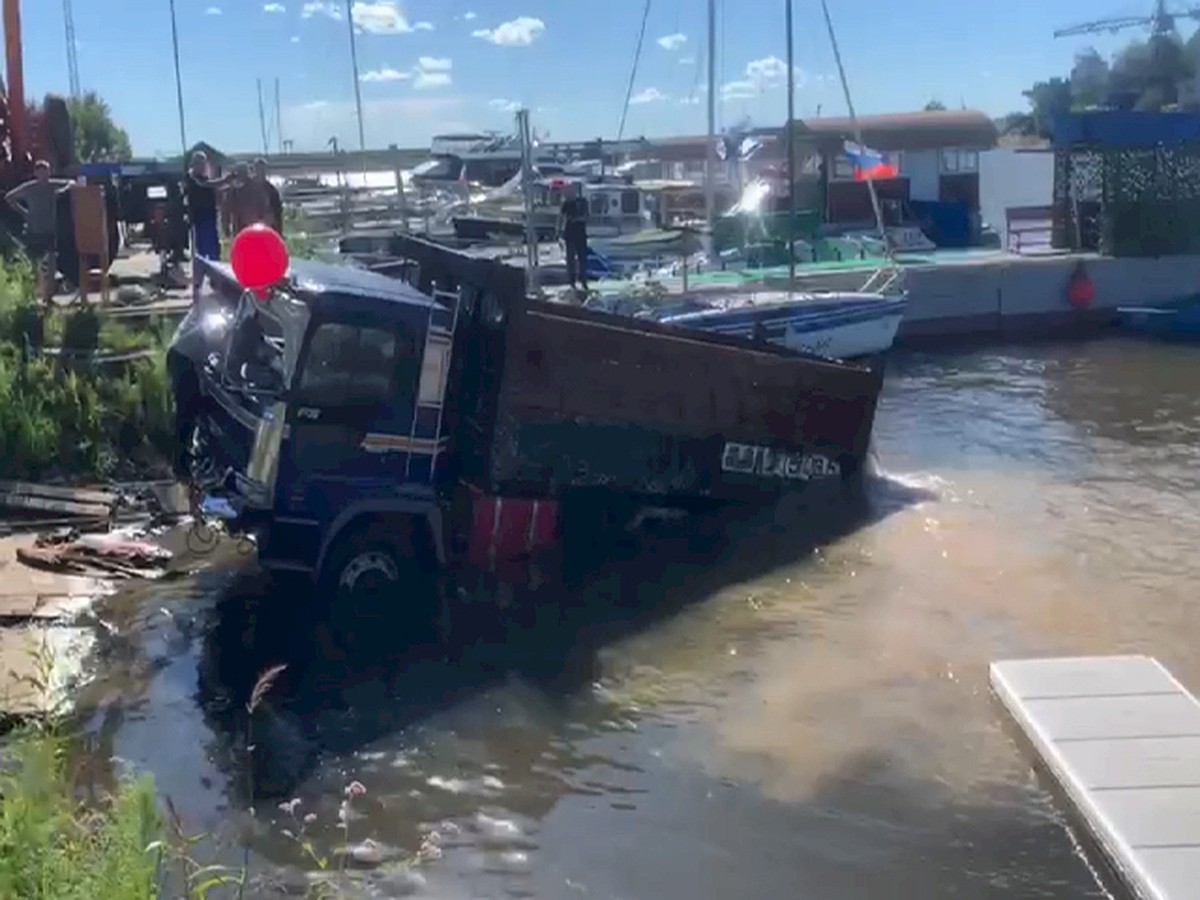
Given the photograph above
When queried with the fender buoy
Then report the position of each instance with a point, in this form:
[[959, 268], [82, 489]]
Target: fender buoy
[[1081, 292]]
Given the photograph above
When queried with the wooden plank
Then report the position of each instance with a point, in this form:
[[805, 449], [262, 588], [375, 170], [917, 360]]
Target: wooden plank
[[1121, 737], [80, 495]]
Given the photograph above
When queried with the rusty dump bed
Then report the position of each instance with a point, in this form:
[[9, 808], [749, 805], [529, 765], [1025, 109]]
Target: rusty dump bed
[[548, 397]]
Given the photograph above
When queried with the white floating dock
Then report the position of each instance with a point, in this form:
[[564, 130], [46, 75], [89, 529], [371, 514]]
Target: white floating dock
[[1122, 738]]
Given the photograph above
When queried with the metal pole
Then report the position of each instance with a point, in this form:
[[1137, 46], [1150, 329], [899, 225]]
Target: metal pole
[[15, 70], [791, 149], [710, 199], [531, 241], [262, 118], [278, 117], [362, 139], [178, 83]]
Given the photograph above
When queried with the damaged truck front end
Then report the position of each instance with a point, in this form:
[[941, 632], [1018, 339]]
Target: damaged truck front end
[[298, 416]]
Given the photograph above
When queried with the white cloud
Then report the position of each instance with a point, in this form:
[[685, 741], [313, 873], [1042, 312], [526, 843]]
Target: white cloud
[[429, 80], [520, 32], [433, 73], [649, 95], [739, 90], [318, 7], [504, 106], [385, 73], [423, 26], [295, 38], [274, 8], [693, 100], [379, 17], [470, 16], [213, 11], [672, 41], [770, 71]]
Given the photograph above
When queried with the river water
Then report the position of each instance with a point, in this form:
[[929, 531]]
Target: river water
[[805, 714]]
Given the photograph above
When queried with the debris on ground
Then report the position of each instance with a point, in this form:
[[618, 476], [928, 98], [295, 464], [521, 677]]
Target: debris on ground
[[112, 555], [89, 505]]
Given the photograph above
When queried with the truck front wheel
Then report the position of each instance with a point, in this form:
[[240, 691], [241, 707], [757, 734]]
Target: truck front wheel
[[377, 576]]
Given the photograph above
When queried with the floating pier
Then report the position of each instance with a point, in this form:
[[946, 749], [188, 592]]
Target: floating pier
[[1121, 737]]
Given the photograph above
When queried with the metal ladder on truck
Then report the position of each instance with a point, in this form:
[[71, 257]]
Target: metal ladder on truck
[[439, 344]]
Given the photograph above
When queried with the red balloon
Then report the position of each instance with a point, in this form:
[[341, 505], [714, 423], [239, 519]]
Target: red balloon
[[259, 257]]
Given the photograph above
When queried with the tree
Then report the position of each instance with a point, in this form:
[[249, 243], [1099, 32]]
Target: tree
[[935, 105], [97, 137], [1048, 100]]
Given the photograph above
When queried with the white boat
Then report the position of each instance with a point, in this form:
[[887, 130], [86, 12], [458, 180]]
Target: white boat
[[835, 325]]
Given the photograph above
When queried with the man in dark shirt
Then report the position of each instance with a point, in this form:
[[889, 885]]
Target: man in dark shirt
[[37, 199], [572, 231], [274, 201], [201, 193]]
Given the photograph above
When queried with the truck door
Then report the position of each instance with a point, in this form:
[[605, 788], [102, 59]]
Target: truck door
[[356, 377]]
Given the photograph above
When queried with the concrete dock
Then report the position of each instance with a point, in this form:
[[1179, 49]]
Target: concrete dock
[[1121, 737]]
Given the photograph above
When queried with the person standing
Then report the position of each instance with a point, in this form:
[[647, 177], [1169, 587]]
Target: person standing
[[272, 202], [37, 200], [572, 231], [201, 191]]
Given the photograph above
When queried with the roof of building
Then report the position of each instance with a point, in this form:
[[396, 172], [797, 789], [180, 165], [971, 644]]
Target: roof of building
[[928, 130], [1126, 128]]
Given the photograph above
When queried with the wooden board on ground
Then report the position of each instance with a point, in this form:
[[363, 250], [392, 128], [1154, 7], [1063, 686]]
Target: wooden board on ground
[[71, 501], [1121, 737]]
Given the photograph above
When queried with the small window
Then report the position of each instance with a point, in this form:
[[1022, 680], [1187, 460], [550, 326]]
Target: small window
[[434, 370], [598, 206], [950, 161], [968, 161], [347, 364], [631, 202]]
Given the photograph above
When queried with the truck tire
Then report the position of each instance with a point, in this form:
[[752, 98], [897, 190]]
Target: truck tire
[[376, 575]]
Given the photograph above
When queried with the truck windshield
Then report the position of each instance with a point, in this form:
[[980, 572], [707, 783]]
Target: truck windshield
[[350, 365], [255, 357]]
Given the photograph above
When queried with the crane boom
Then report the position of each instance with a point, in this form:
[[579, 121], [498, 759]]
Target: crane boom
[[72, 54], [1161, 21]]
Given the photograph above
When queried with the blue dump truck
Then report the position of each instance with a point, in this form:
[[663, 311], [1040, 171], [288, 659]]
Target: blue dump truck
[[368, 430]]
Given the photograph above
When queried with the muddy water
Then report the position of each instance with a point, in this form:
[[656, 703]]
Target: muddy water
[[804, 715]]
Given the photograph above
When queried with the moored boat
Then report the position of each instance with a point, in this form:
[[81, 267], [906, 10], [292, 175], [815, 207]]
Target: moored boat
[[1178, 321], [837, 326]]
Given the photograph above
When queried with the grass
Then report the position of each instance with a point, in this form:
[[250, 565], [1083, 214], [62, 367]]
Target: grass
[[53, 847], [66, 838], [71, 417]]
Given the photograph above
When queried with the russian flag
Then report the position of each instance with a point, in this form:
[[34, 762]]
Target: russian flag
[[868, 164]]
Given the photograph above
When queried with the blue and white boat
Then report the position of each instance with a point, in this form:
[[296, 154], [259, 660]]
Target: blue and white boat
[[837, 325], [1178, 321]]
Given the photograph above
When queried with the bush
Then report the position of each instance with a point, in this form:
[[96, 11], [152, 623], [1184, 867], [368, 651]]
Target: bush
[[72, 417], [52, 847]]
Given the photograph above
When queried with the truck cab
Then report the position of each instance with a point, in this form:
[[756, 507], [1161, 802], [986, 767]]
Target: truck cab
[[312, 417]]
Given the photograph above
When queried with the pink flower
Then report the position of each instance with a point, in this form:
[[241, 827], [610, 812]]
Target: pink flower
[[355, 789], [310, 818], [290, 806]]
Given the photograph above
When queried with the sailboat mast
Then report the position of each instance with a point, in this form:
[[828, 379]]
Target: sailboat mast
[[791, 148], [710, 200]]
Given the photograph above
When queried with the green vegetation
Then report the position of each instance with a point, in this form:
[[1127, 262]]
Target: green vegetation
[[52, 847], [1150, 75], [70, 415], [97, 137]]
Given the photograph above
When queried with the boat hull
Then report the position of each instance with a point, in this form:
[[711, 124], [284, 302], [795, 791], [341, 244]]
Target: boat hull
[[1172, 323], [850, 326]]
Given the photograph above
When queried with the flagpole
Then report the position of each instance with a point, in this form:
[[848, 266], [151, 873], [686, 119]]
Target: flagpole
[[178, 83], [791, 149], [362, 140]]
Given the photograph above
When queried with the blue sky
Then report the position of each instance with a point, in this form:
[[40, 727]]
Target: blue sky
[[440, 65]]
